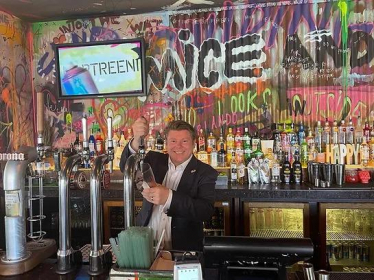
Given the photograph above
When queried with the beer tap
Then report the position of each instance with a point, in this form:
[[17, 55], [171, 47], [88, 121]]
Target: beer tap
[[86, 150], [67, 257], [110, 149], [99, 259], [40, 122], [133, 164]]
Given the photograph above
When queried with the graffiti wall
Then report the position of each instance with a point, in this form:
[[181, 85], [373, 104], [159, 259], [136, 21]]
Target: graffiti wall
[[16, 102], [249, 65]]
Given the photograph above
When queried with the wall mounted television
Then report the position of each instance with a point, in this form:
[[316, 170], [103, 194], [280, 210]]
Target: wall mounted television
[[101, 69]]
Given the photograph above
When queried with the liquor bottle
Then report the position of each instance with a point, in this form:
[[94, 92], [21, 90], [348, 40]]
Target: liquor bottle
[[335, 133], [364, 149], [257, 154], [221, 139], [304, 154], [214, 158], [255, 142], [99, 143], [246, 145], [294, 148], [241, 169], [159, 142], [233, 168], [115, 140], [286, 170], [326, 135], [297, 169], [371, 152], [222, 156], [284, 138], [318, 137], [230, 144], [367, 131], [202, 154], [211, 143], [350, 132], [150, 141], [122, 140], [275, 170], [311, 146], [301, 133], [359, 132], [238, 138], [342, 130], [201, 146], [92, 144], [77, 144]]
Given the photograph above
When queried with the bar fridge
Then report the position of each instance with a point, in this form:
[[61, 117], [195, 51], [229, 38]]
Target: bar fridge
[[113, 215], [347, 236], [276, 220]]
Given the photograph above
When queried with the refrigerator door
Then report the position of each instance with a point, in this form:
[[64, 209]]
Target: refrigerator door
[[276, 220], [347, 236], [219, 224]]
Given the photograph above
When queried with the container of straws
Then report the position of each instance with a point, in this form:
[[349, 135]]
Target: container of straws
[[134, 248]]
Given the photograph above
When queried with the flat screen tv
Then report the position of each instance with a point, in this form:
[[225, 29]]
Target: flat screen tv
[[101, 69]]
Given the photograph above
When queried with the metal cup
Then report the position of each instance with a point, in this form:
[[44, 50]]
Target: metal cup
[[308, 271], [339, 174], [323, 275], [310, 172], [316, 174], [327, 174]]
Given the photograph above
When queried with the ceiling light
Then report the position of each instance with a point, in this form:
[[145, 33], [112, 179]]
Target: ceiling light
[[97, 4]]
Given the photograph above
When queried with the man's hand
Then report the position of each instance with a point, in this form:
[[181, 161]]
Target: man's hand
[[140, 128], [156, 195]]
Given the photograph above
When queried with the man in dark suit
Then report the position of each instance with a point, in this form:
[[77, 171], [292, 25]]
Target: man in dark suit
[[184, 195]]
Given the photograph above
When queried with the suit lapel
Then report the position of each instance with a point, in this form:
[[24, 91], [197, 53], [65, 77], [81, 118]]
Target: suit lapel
[[188, 176]]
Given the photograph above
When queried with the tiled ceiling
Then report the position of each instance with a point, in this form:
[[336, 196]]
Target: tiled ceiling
[[47, 10]]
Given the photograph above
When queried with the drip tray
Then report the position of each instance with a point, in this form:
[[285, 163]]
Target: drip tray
[[86, 252]]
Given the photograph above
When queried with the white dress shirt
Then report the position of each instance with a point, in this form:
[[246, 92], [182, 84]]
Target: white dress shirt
[[159, 220]]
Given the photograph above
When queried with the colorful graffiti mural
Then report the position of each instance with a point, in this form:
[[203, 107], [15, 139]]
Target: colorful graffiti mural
[[16, 101], [249, 64]]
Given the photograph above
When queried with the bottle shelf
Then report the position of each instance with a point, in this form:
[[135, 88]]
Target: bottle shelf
[[350, 262], [349, 236], [269, 233], [213, 229]]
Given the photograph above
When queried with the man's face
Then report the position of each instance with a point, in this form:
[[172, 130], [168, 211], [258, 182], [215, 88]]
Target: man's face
[[179, 145]]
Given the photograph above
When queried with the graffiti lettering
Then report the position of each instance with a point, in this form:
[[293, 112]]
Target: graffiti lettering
[[206, 66]]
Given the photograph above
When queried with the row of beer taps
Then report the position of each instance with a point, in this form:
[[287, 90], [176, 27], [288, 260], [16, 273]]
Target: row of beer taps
[[67, 257]]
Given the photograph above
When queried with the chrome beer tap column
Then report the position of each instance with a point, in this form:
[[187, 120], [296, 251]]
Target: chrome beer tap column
[[131, 166], [67, 258], [15, 214], [98, 259]]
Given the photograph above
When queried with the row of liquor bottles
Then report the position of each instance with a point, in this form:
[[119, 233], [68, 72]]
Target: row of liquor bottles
[[287, 141]]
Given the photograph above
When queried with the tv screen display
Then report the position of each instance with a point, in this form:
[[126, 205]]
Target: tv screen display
[[101, 69]]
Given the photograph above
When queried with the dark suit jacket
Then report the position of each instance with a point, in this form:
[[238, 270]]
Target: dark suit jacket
[[192, 203]]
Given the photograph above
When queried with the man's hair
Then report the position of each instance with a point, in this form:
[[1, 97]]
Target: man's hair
[[180, 125]]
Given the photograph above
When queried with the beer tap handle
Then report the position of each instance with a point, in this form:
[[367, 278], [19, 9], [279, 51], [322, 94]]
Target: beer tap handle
[[142, 147], [85, 151], [40, 123], [57, 160], [110, 145]]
